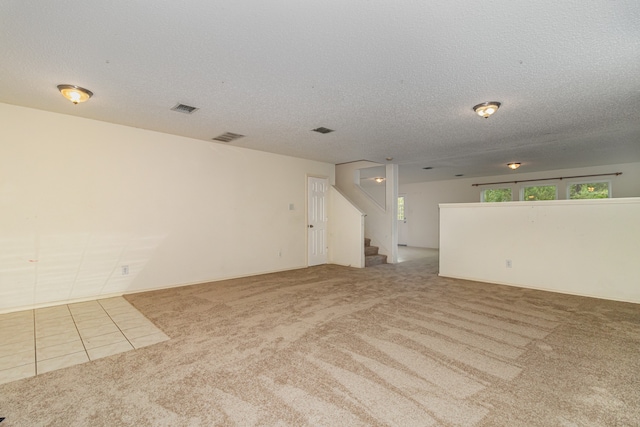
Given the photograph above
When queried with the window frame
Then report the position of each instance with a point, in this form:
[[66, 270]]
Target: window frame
[[482, 192], [524, 187], [404, 207], [570, 183]]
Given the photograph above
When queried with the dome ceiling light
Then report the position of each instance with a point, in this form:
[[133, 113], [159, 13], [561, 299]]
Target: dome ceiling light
[[486, 108], [513, 165], [75, 94]]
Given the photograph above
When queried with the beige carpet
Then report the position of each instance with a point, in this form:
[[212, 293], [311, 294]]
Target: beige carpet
[[388, 345]]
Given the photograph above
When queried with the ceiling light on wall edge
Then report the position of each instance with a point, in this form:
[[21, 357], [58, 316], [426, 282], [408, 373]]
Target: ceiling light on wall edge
[[322, 130], [486, 108], [75, 94], [379, 180], [513, 165]]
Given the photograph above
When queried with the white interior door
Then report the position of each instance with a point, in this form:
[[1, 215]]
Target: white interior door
[[403, 229], [317, 220]]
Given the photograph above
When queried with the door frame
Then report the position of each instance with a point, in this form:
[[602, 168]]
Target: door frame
[[402, 227], [306, 213]]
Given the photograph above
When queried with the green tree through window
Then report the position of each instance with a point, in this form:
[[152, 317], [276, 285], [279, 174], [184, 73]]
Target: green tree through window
[[540, 192], [401, 208], [497, 195], [594, 190]]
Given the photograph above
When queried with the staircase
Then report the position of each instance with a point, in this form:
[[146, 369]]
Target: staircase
[[371, 255]]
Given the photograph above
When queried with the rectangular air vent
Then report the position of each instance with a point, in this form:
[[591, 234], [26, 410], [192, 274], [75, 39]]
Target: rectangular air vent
[[182, 108], [228, 137]]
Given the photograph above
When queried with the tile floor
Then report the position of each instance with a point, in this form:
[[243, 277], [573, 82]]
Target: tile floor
[[410, 253], [46, 339]]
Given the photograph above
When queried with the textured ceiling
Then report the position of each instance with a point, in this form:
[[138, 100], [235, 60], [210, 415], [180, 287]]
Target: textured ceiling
[[393, 79]]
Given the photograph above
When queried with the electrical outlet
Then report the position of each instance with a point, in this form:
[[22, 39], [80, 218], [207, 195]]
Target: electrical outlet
[[280, 253], [125, 270], [508, 263]]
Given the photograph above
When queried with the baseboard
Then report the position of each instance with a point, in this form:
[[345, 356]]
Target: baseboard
[[180, 285], [557, 291], [61, 302], [137, 291]]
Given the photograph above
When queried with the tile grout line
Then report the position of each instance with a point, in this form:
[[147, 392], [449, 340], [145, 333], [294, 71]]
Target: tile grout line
[[78, 331], [82, 340], [145, 318], [117, 326]]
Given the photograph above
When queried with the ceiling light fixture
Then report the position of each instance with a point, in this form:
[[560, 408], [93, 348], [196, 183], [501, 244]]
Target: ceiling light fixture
[[379, 180], [75, 94], [323, 130], [486, 108], [513, 165]]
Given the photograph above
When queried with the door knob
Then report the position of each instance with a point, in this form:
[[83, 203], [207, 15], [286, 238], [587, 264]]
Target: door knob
[[310, 225]]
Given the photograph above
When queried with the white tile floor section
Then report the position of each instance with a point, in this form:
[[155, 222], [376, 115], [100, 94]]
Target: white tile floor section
[[410, 253], [46, 339]]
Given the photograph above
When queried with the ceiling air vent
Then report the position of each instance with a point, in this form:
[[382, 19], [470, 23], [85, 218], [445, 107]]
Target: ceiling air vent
[[186, 109], [228, 137], [323, 130]]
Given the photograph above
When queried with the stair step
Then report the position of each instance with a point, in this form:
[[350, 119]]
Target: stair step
[[370, 250], [372, 260], [367, 241]]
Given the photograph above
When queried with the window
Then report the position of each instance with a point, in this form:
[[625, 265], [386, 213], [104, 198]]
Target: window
[[539, 192], [401, 208], [496, 195], [589, 190]]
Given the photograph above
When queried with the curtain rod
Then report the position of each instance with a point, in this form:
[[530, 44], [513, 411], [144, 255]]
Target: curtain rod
[[547, 179]]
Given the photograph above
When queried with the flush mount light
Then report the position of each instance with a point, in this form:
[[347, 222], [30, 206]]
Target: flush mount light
[[75, 94], [486, 108], [379, 179], [513, 166], [323, 130], [389, 159]]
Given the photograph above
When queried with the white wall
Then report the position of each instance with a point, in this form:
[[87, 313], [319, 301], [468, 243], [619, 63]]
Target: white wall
[[380, 222], [422, 199], [582, 247], [346, 231], [80, 198], [377, 190]]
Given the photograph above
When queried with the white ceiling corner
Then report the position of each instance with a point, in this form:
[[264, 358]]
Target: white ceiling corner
[[393, 79]]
